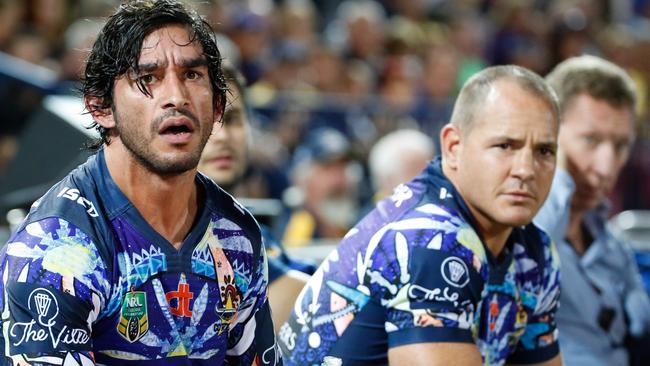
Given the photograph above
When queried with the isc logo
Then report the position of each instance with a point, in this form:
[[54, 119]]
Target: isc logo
[[73, 195]]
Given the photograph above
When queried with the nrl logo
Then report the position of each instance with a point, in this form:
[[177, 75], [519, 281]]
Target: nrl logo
[[134, 319]]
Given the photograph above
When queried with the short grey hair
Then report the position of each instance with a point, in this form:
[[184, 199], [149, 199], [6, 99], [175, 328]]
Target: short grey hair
[[384, 158], [475, 90], [594, 76]]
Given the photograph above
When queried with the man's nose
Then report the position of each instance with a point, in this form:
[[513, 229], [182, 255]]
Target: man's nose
[[176, 93], [220, 132], [524, 164], [606, 161]]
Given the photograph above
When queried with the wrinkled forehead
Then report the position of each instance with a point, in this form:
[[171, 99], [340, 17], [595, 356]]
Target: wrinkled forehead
[[173, 39], [511, 107]]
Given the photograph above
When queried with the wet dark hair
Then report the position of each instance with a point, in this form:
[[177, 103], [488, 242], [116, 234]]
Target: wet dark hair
[[117, 51]]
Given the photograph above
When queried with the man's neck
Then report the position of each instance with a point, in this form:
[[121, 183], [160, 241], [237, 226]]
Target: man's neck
[[575, 233], [495, 236], [168, 203]]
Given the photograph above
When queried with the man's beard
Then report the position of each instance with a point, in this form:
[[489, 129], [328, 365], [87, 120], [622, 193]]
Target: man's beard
[[140, 146]]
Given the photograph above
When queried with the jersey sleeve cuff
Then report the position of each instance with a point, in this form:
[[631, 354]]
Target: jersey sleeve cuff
[[536, 355], [429, 335]]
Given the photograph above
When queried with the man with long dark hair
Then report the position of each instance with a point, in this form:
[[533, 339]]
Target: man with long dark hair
[[134, 257]]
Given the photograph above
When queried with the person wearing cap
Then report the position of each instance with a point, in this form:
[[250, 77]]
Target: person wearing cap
[[449, 269], [225, 160], [323, 198]]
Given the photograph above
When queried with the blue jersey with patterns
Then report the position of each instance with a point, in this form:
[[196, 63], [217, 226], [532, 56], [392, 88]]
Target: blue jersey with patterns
[[416, 271], [86, 279]]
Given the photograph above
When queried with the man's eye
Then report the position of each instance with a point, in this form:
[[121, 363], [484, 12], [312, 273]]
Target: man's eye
[[590, 140], [622, 147], [545, 151], [504, 146], [191, 75], [147, 79]]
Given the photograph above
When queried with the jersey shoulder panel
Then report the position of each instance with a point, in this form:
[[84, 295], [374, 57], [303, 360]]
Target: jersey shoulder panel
[[224, 205], [77, 199]]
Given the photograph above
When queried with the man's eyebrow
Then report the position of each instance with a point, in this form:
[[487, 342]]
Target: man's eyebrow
[[184, 63], [548, 145], [193, 62], [148, 67]]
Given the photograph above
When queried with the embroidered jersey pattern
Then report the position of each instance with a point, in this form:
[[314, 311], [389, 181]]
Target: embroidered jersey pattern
[[86, 279], [415, 271]]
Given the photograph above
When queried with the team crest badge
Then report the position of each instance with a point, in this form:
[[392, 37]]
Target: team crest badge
[[230, 298], [455, 272], [229, 295], [134, 319]]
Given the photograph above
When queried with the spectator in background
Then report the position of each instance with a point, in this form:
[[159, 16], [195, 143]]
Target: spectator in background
[[250, 32], [296, 22], [31, 45], [225, 159], [323, 200], [50, 18], [519, 38], [469, 34], [79, 38], [11, 14], [397, 158], [358, 32], [437, 89], [603, 299]]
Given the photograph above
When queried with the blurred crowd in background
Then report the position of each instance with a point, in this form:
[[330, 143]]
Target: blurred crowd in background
[[327, 79]]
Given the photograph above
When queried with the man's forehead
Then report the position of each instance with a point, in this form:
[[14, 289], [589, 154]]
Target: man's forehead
[[587, 112], [170, 36], [515, 124]]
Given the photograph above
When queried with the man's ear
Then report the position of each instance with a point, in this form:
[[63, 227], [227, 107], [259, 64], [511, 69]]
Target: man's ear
[[103, 116], [450, 145]]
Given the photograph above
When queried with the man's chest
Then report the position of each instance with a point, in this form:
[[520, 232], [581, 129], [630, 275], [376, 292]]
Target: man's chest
[[175, 303]]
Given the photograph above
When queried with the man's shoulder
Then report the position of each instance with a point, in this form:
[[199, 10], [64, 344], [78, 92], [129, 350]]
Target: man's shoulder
[[224, 206], [74, 203], [75, 197], [425, 230], [402, 203]]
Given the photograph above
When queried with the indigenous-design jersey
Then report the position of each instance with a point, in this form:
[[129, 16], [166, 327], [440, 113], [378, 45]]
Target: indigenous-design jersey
[[415, 271], [85, 279]]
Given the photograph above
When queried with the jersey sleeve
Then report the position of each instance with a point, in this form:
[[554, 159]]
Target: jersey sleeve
[[54, 284], [539, 341], [439, 289], [252, 339]]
